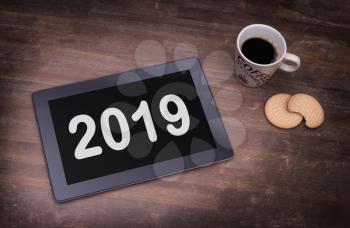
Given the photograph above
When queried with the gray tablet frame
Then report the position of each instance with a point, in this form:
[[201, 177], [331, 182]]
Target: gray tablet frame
[[63, 192]]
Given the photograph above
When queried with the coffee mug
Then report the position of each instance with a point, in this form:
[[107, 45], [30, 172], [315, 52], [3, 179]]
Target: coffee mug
[[253, 74]]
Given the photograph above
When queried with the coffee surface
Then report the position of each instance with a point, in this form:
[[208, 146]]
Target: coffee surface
[[259, 51]]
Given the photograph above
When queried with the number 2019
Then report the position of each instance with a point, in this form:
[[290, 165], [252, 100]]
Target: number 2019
[[143, 111]]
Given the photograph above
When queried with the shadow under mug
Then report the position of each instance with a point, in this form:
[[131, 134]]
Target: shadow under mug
[[253, 74]]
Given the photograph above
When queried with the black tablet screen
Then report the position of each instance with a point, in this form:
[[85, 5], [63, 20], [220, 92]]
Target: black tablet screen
[[129, 126]]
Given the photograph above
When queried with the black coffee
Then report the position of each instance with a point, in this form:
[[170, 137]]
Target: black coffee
[[259, 51]]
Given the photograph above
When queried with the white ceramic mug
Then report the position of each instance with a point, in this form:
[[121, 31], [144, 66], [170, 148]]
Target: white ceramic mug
[[254, 74]]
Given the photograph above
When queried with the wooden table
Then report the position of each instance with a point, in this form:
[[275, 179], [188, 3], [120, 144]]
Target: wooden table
[[278, 178]]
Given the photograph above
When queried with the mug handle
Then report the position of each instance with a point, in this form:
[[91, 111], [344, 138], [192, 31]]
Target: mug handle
[[293, 65]]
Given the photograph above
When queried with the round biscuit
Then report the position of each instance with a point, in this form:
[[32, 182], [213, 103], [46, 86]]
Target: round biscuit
[[308, 107], [277, 113]]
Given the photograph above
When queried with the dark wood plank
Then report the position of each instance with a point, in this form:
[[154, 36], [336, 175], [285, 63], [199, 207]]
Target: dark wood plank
[[278, 178]]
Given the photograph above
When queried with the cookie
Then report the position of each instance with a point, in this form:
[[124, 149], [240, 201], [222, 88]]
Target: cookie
[[308, 107], [277, 113]]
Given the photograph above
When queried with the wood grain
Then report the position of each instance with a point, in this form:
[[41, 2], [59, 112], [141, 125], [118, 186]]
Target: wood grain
[[278, 178]]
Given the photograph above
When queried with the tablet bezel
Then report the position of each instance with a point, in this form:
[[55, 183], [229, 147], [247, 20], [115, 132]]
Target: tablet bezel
[[63, 192]]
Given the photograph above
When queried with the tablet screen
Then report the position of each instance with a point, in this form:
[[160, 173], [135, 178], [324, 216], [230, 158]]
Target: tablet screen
[[128, 126]]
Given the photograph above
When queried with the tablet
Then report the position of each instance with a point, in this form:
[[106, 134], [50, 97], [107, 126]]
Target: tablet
[[129, 127]]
